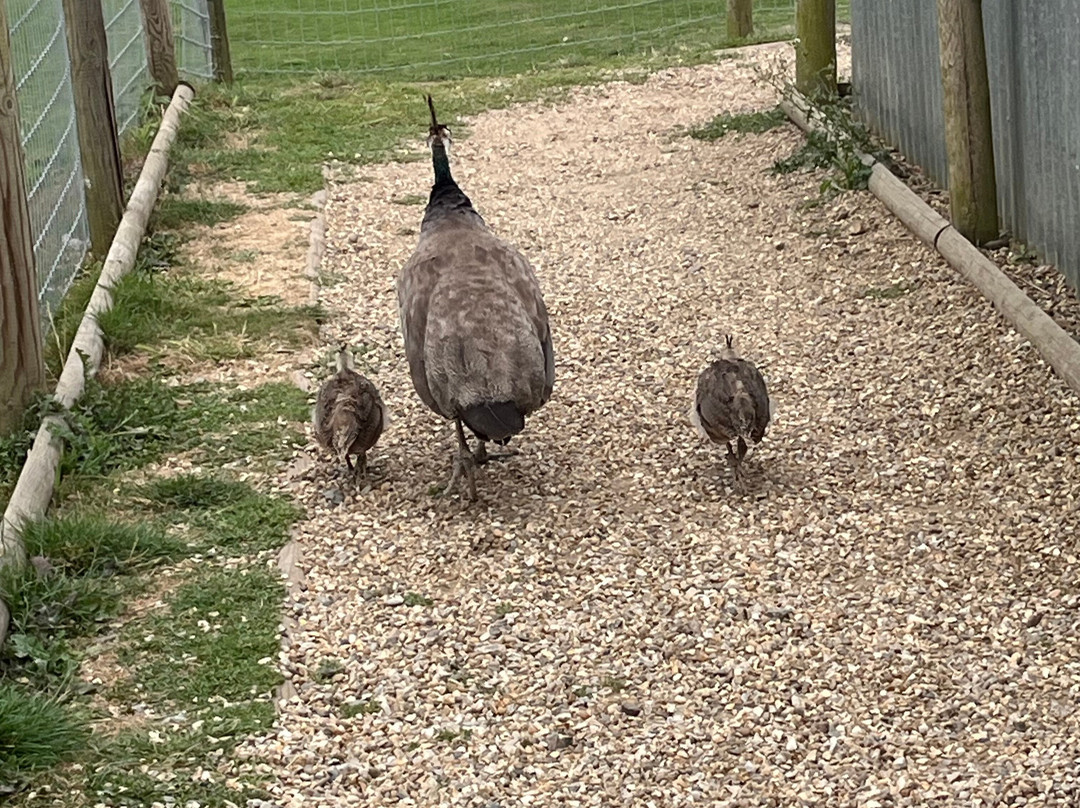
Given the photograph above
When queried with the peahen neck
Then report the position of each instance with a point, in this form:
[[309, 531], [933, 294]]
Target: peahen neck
[[446, 198], [441, 162]]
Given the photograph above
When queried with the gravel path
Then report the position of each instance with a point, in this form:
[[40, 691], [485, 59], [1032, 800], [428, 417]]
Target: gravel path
[[888, 617]]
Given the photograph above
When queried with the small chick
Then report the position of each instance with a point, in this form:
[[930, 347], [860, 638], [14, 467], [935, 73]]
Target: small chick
[[732, 406], [349, 414]]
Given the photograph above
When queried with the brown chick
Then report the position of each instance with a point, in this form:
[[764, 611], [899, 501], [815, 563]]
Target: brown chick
[[349, 414], [732, 406]]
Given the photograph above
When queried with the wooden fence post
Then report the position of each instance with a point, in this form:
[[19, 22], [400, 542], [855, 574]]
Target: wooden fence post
[[219, 42], [95, 113], [815, 48], [969, 139], [160, 45], [22, 367], [740, 18]]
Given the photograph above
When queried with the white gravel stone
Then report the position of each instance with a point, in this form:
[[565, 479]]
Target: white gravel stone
[[890, 615]]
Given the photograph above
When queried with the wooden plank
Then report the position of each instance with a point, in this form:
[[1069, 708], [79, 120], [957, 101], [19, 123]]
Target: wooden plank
[[160, 45], [34, 488], [969, 139], [1055, 345], [815, 47], [95, 112], [740, 18], [22, 368], [919, 217], [219, 42]]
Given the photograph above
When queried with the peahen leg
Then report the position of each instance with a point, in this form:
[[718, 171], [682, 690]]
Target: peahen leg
[[733, 462], [463, 461]]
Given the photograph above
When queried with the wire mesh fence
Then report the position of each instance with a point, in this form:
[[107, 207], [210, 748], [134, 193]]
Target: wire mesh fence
[[191, 24], [54, 177], [440, 38], [127, 59], [55, 185]]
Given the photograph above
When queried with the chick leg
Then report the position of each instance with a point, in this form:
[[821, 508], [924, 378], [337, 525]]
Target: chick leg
[[733, 462], [463, 461]]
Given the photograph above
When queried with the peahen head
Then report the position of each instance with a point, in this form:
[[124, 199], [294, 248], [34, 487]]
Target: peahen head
[[344, 358]]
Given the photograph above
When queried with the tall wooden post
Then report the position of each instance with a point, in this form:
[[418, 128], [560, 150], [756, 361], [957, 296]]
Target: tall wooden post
[[815, 48], [969, 137], [219, 42], [160, 45], [95, 114], [740, 18], [22, 367]]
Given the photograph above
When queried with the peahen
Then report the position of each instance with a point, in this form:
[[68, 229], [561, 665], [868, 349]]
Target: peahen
[[474, 322], [731, 405], [349, 414]]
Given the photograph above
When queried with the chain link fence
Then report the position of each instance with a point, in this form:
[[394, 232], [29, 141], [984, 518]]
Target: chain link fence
[[54, 177]]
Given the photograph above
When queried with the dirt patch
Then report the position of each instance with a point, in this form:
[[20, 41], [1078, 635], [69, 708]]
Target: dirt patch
[[263, 251]]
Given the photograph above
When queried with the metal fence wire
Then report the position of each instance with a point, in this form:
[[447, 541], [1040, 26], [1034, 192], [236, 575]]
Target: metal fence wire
[[127, 59], [54, 176], [191, 29], [421, 39]]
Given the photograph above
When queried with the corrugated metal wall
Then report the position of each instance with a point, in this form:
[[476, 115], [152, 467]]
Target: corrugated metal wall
[[1033, 53]]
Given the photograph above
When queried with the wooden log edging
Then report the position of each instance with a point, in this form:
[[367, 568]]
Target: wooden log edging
[[1053, 342], [34, 488]]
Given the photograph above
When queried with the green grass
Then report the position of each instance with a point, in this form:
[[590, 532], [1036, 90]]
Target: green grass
[[890, 292], [425, 42], [125, 426], [203, 652], [416, 599], [175, 213], [186, 317], [35, 732], [298, 104], [752, 122], [227, 515], [66, 320], [355, 708]]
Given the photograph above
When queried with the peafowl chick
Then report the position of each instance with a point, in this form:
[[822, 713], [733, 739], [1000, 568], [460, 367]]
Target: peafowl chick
[[349, 414], [732, 406], [474, 322]]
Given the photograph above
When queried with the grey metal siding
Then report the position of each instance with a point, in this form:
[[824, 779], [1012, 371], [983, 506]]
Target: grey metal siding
[[1033, 54]]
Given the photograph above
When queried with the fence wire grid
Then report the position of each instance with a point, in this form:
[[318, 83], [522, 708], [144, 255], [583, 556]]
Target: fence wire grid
[[441, 38], [50, 140], [55, 185], [191, 28], [127, 59]]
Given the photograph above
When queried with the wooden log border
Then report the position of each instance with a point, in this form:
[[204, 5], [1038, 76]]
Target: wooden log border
[[1056, 346], [34, 488]]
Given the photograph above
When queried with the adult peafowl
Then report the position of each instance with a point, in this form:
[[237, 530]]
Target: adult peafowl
[[475, 326]]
